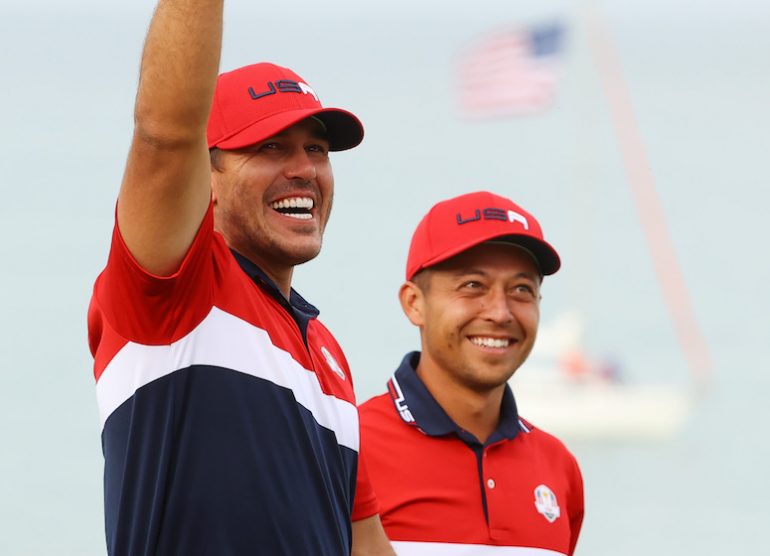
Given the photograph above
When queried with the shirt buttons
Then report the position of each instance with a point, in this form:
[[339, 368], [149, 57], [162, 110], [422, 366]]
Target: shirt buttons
[[491, 483]]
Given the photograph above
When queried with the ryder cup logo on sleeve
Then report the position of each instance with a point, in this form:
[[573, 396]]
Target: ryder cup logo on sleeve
[[546, 503]]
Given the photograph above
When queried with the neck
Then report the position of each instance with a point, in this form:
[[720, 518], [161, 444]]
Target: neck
[[281, 277], [280, 274], [476, 411]]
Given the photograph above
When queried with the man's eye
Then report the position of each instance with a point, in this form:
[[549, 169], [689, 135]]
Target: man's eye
[[317, 149], [524, 290]]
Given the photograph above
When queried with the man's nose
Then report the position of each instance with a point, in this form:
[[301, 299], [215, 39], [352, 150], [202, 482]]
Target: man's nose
[[300, 166], [497, 307]]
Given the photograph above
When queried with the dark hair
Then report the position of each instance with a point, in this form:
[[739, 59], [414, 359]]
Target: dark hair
[[422, 279], [216, 162]]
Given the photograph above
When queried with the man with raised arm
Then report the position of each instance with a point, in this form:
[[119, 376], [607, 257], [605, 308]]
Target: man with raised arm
[[228, 415], [457, 472]]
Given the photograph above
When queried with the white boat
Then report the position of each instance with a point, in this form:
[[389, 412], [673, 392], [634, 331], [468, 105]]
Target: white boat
[[560, 388], [561, 391]]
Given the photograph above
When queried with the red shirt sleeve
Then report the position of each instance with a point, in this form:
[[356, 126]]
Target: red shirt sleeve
[[149, 309], [365, 504], [576, 507]]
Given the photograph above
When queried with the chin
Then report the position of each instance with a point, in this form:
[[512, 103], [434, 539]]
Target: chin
[[496, 379], [484, 386], [302, 255]]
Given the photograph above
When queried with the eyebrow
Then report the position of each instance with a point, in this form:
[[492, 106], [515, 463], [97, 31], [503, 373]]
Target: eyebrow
[[478, 272], [467, 272]]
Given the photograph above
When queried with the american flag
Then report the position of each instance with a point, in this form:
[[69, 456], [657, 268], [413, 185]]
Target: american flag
[[510, 71]]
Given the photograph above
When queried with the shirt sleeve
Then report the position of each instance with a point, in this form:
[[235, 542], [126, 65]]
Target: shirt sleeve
[[576, 507], [365, 504], [150, 309]]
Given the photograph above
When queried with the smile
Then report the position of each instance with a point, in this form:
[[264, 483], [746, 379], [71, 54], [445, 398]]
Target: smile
[[490, 342], [295, 207]]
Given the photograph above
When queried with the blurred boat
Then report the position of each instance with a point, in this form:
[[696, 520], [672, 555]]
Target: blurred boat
[[565, 393]]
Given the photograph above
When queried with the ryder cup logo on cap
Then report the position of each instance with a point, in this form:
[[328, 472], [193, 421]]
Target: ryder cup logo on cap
[[255, 102], [457, 224]]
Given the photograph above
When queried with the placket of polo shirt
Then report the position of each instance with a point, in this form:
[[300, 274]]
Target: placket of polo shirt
[[498, 493], [296, 308]]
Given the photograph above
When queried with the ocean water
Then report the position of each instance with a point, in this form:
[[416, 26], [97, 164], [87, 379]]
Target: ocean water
[[698, 79]]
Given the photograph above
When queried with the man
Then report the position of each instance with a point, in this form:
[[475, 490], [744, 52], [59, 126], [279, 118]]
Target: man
[[228, 414], [455, 469]]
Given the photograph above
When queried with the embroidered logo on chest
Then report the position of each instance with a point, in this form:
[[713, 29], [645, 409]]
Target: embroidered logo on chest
[[546, 503], [333, 365]]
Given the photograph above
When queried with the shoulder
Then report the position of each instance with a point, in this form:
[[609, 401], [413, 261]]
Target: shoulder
[[376, 405], [377, 414], [546, 443], [324, 335]]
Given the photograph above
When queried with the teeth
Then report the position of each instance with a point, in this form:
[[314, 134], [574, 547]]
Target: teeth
[[490, 342], [294, 202]]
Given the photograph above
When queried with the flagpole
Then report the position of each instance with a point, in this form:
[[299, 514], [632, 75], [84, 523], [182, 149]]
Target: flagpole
[[642, 183]]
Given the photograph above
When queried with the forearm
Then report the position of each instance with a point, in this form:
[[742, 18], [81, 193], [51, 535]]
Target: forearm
[[369, 538], [179, 69], [166, 186]]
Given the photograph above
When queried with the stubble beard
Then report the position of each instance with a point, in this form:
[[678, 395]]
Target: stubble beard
[[268, 245], [480, 376], [461, 370]]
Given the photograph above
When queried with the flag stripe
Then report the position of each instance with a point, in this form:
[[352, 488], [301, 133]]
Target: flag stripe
[[512, 71]]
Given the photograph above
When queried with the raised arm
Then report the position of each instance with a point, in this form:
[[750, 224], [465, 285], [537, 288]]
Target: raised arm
[[166, 186]]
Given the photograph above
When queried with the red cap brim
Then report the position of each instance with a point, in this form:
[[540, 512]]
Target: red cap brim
[[344, 130], [546, 257]]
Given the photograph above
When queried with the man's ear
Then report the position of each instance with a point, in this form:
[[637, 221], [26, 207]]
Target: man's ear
[[412, 300], [214, 187]]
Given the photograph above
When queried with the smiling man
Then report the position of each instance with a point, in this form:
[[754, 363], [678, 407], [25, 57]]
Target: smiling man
[[455, 469], [229, 423]]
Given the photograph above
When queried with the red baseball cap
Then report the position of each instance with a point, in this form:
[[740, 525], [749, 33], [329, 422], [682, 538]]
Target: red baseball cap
[[255, 102], [457, 224]]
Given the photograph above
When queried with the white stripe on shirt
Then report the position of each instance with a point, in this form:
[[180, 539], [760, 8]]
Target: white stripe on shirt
[[223, 340]]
